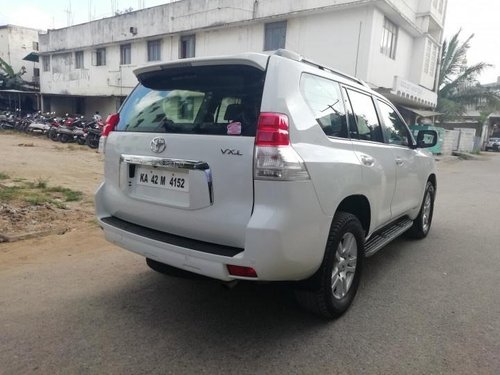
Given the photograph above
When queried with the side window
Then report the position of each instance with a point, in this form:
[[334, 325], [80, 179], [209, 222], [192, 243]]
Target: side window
[[365, 115], [395, 130], [325, 101]]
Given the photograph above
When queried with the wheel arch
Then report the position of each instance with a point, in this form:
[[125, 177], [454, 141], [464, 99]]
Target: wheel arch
[[359, 206], [433, 180]]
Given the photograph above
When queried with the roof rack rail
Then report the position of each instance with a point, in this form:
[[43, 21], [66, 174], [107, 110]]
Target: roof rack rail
[[297, 57]]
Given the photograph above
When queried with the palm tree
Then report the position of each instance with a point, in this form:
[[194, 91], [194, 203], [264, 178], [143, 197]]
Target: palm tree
[[9, 79], [458, 87]]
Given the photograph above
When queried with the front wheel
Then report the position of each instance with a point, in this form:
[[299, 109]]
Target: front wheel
[[422, 224], [64, 138], [331, 290]]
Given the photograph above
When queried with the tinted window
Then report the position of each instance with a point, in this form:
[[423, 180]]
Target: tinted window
[[325, 101], [365, 115], [201, 100], [395, 130]]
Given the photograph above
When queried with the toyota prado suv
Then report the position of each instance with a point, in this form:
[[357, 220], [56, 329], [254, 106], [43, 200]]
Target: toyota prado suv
[[264, 168]]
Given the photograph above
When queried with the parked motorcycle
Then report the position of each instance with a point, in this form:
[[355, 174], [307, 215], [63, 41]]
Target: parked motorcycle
[[94, 134]]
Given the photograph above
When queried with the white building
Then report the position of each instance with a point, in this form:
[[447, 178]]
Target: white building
[[393, 45], [16, 42]]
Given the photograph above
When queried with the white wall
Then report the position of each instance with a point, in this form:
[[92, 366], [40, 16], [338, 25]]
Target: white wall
[[15, 43], [382, 69]]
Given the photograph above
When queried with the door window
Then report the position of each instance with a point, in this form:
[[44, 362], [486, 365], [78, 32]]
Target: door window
[[325, 101], [367, 124], [395, 130]]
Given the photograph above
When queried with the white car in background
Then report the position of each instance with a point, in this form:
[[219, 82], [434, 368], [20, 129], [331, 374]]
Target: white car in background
[[493, 144]]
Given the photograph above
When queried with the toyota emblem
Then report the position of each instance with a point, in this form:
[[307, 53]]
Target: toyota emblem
[[158, 145]]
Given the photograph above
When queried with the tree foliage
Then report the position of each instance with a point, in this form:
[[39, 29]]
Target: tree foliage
[[10, 79], [458, 86]]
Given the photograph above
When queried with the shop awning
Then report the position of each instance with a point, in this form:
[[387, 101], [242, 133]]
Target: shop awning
[[32, 56], [422, 112]]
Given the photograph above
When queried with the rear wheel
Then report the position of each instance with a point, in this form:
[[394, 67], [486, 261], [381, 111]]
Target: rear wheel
[[331, 290], [92, 141], [422, 224]]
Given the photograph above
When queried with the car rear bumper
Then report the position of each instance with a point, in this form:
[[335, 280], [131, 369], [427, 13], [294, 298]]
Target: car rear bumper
[[278, 245]]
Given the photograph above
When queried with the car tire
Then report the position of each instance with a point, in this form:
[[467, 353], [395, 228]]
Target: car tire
[[331, 290], [422, 224], [172, 271]]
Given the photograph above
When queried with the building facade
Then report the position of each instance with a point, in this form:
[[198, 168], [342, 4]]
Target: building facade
[[16, 43], [393, 45]]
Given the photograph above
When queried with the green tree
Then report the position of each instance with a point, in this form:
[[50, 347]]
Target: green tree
[[458, 86], [9, 79]]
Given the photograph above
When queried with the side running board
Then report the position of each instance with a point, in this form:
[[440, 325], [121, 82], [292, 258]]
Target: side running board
[[380, 239]]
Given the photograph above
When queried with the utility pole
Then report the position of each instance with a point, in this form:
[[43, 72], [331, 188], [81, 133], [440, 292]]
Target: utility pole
[[69, 14]]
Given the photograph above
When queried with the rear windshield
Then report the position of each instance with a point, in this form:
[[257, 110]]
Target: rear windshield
[[219, 100]]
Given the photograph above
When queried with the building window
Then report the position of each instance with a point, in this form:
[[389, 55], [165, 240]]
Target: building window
[[79, 60], [434, 57], [36, 72], [154, 50], [125, 54], [389, 39], [438, 5], [35, 46], [46, 63], [187, 46], [430, 58], [274, 36], [99, 57]]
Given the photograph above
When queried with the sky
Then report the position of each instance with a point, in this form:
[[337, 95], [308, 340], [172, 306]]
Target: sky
[[479, 17]]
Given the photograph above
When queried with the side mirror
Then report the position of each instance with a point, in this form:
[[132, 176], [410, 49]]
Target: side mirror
[[427, 138]]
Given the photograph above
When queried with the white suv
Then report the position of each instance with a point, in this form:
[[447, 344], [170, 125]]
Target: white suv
[[265, 168]]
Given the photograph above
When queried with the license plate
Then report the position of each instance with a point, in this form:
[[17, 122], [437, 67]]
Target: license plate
[[161, 178]]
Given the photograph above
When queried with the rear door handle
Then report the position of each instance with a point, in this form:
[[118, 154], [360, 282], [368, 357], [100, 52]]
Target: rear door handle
[[399, 161], [367, 160]]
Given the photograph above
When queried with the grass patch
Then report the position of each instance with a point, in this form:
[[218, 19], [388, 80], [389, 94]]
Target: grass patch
[[38, 193], [36, 198], [8, 193], [69, 194], [41, 183], [4, 176]]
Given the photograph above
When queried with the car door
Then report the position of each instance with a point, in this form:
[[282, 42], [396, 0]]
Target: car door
[[375, 156], [398, 137]]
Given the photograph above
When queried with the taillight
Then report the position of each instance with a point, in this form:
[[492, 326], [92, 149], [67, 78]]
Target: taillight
[[272, 130], [275, 159], [241, 271], [111, 123]]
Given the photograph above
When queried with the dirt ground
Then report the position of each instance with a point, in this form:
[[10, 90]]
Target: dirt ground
[[32, 158]]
